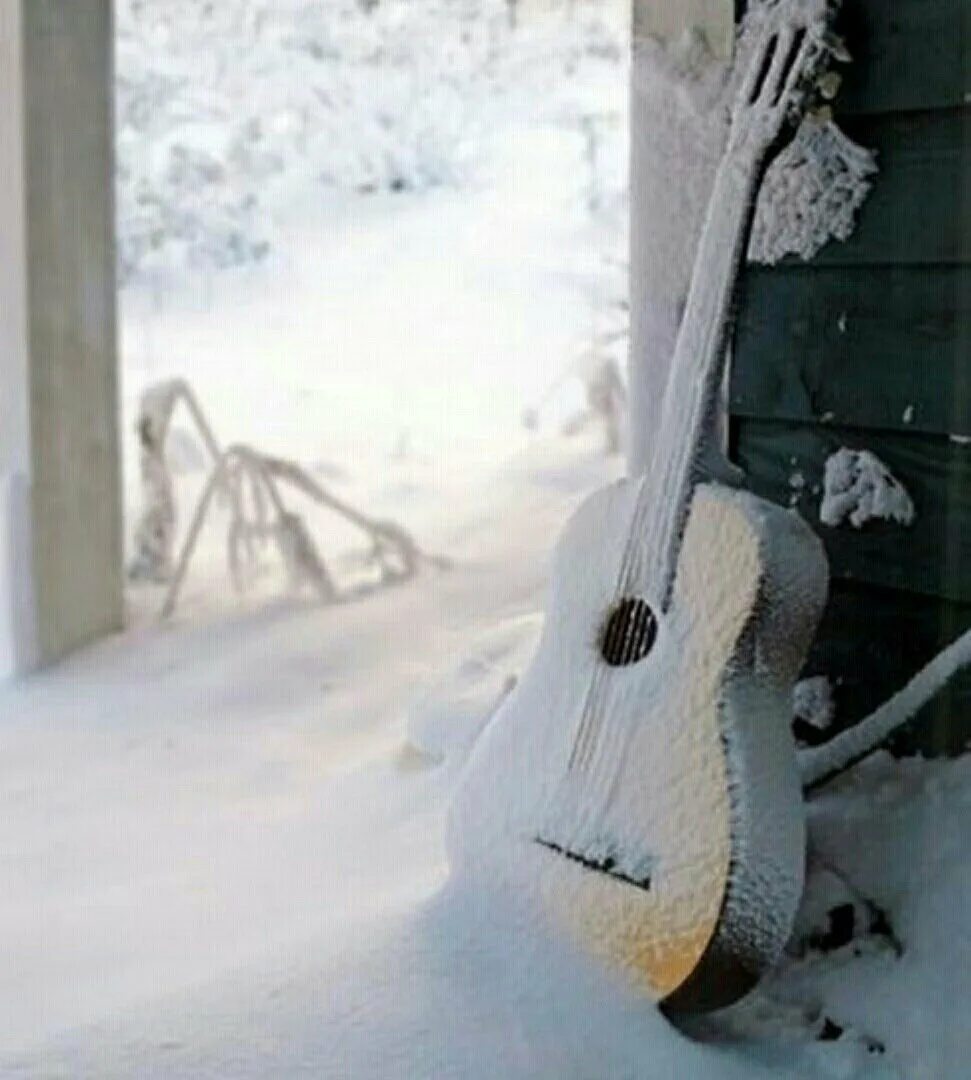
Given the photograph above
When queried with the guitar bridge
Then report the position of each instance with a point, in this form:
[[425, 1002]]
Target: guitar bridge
[[607, 865]]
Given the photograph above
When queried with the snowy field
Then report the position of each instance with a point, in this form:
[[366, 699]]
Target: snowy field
[[223, 851]]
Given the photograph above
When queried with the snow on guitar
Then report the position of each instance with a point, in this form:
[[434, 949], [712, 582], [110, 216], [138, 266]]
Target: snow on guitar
[[639, 786]]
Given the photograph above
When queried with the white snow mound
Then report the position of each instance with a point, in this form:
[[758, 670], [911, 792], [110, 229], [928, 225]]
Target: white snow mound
[[812, 701], [860, 488], [452, 713]]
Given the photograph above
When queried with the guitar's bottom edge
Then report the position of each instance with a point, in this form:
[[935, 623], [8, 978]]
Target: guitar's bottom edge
[[717, 982]]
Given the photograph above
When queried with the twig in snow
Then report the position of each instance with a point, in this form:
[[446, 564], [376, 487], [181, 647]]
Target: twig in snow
[[242, 467], [155, 532], [393, 550]]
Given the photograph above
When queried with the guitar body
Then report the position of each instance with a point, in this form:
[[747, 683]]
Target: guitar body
[[695, 763]]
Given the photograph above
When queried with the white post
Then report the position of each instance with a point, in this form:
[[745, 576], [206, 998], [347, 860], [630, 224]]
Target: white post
[[18, 645], [674, 154], [60, 491]]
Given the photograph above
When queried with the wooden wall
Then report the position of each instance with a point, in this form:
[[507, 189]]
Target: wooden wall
[[869, 346]]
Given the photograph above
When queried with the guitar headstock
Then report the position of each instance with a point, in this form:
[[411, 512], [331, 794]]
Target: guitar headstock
[[781, 46]]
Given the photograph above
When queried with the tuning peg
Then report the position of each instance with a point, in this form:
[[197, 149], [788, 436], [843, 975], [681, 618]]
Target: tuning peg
[[837, 48], [829, 84]]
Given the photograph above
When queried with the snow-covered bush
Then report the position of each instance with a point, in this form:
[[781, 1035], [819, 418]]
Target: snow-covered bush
[[229, 112]]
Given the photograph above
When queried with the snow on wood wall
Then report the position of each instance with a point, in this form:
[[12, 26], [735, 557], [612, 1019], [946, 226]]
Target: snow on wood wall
[[867, 346]]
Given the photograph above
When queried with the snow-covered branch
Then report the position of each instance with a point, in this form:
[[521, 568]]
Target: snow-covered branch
[[240, 469], [155, 533], [823, 763]]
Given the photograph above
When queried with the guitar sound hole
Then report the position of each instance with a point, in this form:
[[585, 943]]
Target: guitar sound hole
[[630, 633]]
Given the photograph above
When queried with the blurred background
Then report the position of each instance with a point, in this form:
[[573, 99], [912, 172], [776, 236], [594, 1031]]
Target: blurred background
[[385, 238]]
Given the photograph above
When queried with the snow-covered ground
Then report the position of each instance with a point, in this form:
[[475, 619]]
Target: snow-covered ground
[[222, 857], [203, 807], [223, 846]]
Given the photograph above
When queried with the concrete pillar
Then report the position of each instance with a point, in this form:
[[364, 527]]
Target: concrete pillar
[[674, 152], [60, 489]]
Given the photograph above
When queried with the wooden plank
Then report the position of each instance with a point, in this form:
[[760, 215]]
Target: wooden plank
[[867, 338], [785, 463], [908, 54], [881, 347], [872, 641], [919, 210]]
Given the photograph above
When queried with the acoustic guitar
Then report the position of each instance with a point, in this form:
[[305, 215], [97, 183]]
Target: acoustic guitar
[[639, 785]]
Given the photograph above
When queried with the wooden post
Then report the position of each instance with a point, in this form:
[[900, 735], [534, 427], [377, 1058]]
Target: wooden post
[[60, 490], [668, 19], [674, 153]]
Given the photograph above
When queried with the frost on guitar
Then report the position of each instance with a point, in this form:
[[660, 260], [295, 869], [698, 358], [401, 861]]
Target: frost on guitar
[[638, 789]]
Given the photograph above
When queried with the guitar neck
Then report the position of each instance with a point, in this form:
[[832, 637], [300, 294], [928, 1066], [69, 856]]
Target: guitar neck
[[699, 354], [786, 49], [696, 369]]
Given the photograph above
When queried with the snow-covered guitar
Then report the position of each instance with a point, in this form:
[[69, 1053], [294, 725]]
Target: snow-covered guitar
[[639, 785]]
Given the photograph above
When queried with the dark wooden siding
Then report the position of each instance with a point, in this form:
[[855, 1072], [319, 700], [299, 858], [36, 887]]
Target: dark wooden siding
[[869, 346]]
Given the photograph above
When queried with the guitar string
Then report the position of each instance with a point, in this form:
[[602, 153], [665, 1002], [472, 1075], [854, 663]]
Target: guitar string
[[662, 525], [657, 523], [663, 515], [666, 524], [667, 521], [578, 754]]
